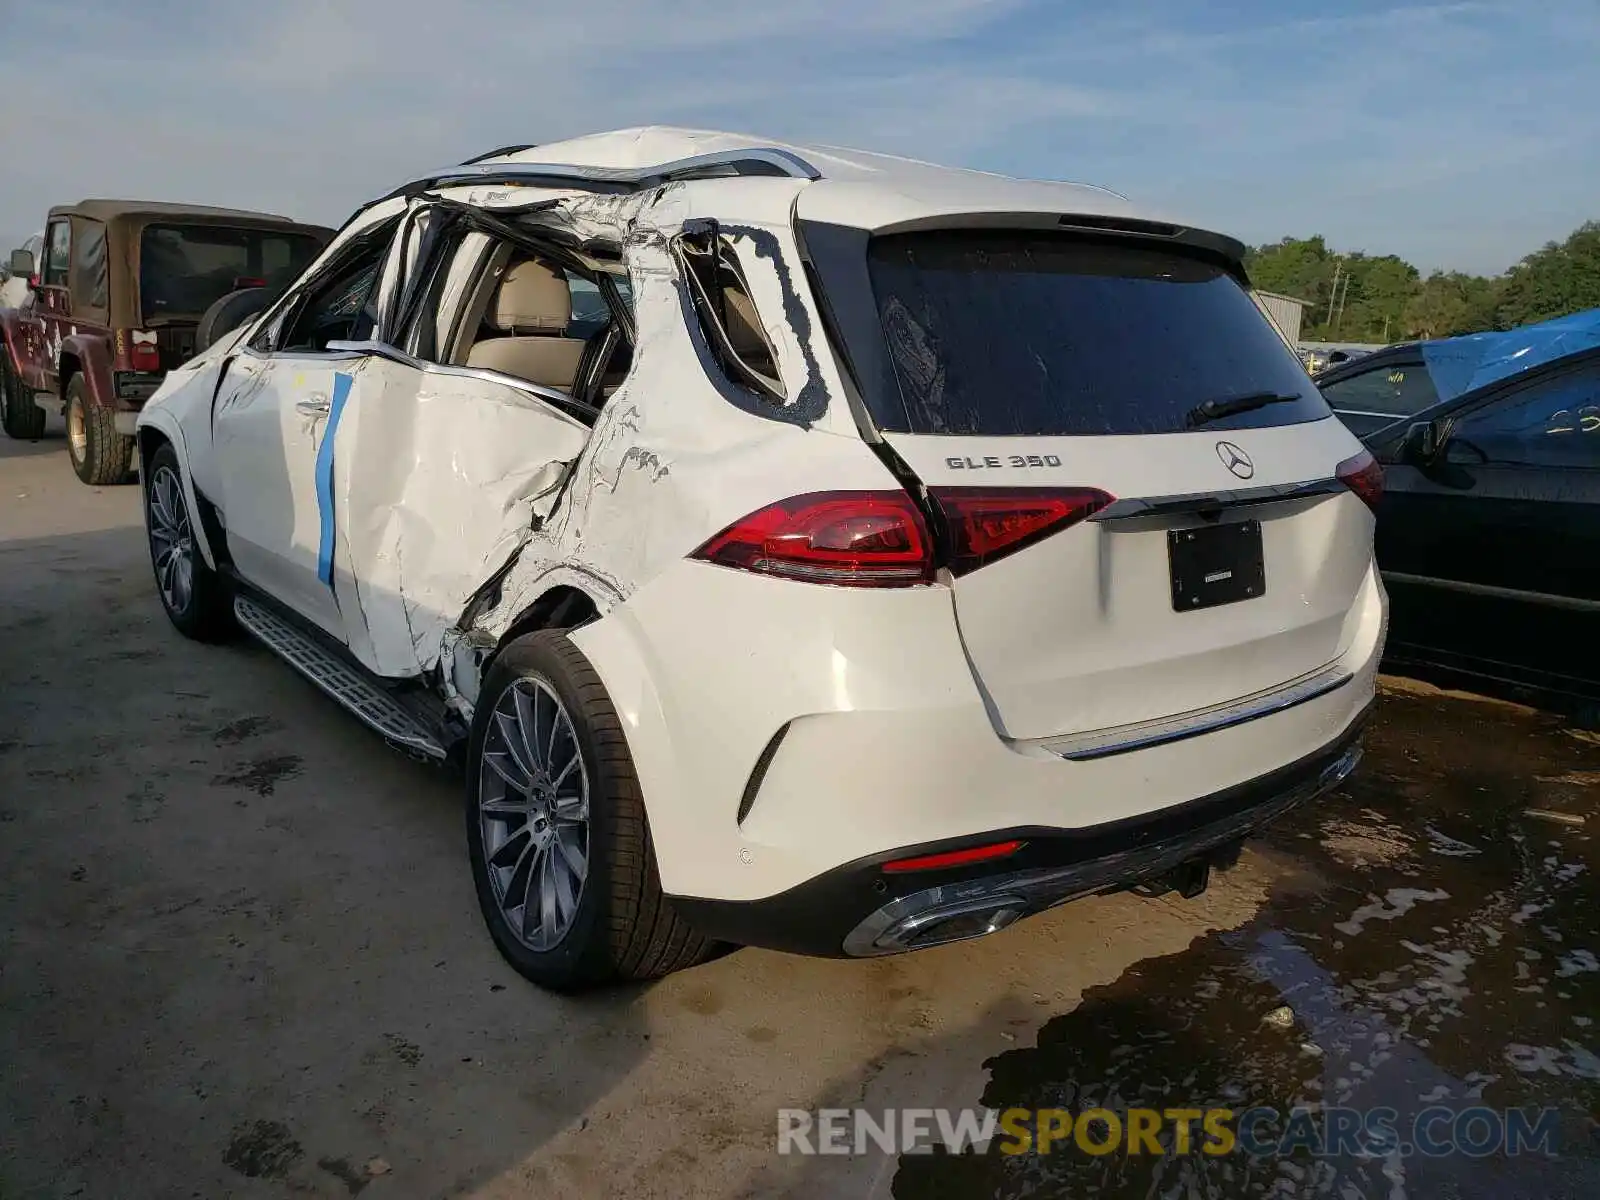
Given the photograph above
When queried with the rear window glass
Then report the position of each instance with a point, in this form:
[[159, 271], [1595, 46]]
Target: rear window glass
[[1021, 333], [185, 269]]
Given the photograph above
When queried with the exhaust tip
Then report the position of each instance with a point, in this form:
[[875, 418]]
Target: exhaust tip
[[949, 923]]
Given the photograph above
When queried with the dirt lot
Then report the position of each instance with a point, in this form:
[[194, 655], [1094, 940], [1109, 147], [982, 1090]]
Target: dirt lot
[[240, 956]]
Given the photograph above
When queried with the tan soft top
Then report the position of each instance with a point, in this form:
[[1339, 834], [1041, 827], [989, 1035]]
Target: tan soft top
[[115, 227], [108, 210]]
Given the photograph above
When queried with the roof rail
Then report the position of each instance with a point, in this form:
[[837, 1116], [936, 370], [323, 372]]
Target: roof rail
[[757, 160], [503, 150]]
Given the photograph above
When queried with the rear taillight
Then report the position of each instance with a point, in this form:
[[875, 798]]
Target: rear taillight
[[853, 539], [139, 348], [983, 524], [1363, 475]]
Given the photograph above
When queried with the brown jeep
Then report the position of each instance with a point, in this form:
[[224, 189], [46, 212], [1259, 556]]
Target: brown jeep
[[128, 290]]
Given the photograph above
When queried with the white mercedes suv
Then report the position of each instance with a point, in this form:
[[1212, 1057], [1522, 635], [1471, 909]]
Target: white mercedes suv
[[800, 548]]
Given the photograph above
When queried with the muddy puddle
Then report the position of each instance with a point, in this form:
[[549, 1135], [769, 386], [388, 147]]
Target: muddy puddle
[[1431, 947]]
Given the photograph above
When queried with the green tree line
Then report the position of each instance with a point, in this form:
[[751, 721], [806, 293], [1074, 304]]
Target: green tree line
[[1360, 297]]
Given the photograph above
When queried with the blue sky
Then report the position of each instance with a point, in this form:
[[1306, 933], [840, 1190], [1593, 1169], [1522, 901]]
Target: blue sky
[[1460, 135]]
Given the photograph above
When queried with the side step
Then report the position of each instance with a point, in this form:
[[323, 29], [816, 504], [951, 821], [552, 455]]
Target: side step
[[338, 678]]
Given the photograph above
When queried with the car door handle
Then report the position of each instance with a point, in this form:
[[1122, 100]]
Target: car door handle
[[313, 406]]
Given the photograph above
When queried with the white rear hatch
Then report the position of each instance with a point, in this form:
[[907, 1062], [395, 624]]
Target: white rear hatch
[[1011, 360]]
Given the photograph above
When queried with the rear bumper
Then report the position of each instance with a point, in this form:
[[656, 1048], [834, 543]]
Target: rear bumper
[[858, 910], [802, 730]]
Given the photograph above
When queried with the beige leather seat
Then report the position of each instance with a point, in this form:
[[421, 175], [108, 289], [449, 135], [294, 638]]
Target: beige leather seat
[[531, 309]]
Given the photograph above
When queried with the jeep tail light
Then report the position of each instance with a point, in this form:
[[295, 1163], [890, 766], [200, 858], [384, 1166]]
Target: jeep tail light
[[983, 524], [1363, 475], [851, 539], [139, 349]]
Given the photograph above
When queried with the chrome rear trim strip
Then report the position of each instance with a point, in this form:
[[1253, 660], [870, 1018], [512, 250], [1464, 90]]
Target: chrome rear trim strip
[[1101, 743]]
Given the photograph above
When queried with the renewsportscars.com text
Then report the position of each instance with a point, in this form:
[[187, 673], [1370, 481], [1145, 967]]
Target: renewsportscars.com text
[[1260, 1131]]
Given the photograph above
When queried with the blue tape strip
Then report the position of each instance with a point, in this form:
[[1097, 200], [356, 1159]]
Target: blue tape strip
[[341, 392]]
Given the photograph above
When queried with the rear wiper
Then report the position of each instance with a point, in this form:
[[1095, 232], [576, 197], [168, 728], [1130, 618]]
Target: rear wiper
[[1214, 410]]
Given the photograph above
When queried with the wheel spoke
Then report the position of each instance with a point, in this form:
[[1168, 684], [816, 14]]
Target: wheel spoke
[[496, 859], [527, 727], [549, 915], [558, 720], [183, 580], [503, 764], [533, 890], [561, 776], [572, 810], [564, 884], [515, 746], [169, 512], [504, 810], [166, 567], [571, 853]]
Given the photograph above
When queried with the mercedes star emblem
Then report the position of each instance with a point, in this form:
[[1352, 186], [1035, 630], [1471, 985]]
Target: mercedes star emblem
[[1235, 459]]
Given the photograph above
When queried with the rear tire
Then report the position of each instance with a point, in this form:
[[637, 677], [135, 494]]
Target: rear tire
[[524, 835], [19, 415], [197, 600], [100, 455]]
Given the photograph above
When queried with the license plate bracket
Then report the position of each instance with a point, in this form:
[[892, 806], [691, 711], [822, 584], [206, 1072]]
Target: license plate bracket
[[1216, 564]]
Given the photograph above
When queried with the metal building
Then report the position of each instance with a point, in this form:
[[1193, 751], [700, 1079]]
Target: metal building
[[1285, 312]]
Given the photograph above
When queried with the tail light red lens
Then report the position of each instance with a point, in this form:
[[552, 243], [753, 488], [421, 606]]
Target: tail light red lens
[[142, 349], [853, 539], [1363, 475], [983, 524]]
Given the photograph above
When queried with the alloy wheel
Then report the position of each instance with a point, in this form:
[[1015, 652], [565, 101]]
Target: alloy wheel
[[77, 430], [171, 540], [533, 812]]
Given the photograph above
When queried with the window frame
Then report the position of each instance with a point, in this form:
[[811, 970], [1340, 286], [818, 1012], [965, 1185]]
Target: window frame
[[1509, 394], [1398, 363], [46, 265], [432, 276], [282, 318], [96, 295], [712, 323]]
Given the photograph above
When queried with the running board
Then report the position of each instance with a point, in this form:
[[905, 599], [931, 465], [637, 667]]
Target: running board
[[336, 677]]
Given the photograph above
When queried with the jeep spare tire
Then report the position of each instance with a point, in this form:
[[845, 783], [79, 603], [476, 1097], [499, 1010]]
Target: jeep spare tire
[[227, 314]]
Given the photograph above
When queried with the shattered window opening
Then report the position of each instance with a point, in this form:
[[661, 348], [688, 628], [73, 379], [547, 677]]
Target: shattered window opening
[[332, 306], [727, 312], [532, 313]]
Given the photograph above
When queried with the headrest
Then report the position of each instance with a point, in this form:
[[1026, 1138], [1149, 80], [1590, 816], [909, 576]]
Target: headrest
[[532, 296]]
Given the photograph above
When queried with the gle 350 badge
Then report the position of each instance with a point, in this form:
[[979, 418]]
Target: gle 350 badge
[[994, 461]]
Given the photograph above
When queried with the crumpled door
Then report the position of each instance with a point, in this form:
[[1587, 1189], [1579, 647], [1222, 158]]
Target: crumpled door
[[437, 476]]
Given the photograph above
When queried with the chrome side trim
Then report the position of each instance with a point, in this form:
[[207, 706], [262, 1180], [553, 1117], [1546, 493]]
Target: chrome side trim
[[911, 922], [1133, 508], [757, 160], [1574, 603], [1120, 739]]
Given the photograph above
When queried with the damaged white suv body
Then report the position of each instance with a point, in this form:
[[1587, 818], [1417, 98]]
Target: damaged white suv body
[[806, 549]]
